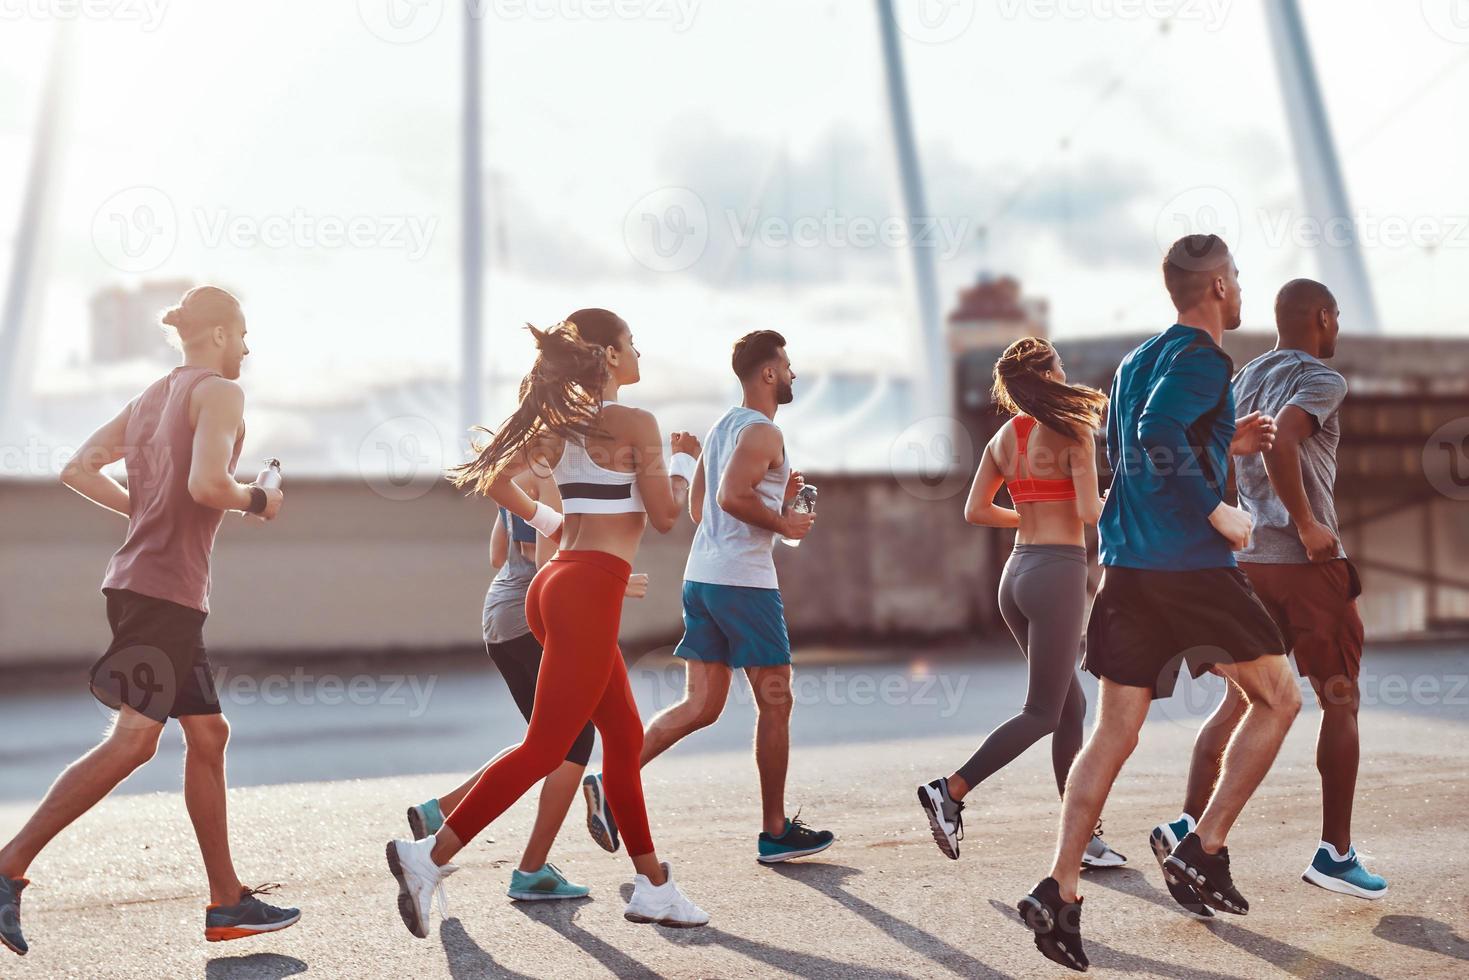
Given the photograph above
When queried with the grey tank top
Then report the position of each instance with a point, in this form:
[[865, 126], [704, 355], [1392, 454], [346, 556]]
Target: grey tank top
[[504, 615], [726, 550]]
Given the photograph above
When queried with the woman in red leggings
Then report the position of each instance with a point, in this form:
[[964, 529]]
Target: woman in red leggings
[[607, 461]]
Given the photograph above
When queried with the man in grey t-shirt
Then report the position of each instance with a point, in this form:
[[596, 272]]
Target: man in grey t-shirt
[[1297, 566]]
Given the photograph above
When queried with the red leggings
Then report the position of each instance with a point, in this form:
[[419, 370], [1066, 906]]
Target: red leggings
[[574, 607]]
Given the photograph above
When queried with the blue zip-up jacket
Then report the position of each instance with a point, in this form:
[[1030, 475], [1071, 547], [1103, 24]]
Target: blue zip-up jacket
[[1169, 426]]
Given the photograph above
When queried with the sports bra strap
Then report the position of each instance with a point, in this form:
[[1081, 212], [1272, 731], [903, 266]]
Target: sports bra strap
[[1024, 424]]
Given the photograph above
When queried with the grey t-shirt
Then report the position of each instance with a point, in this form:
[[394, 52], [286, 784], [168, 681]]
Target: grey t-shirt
[[504, 614], [1270, 383]]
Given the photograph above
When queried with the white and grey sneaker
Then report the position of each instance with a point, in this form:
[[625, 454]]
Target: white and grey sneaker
[[662, 904], [419, 881], [945, 815], [1099, 853]]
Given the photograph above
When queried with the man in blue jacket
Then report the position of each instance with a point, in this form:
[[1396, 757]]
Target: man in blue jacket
[[1171, 594]]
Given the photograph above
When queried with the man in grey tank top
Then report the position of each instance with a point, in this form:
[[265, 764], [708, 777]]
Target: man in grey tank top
[[733, 616]]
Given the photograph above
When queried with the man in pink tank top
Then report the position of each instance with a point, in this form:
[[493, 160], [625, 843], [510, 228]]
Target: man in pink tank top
[[181, 441]]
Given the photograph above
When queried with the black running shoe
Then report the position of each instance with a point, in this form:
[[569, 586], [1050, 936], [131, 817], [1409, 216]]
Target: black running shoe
[[599, 815], [1209, 874], [797, 841], [1056, 924], [1162, 841], [10, 934]]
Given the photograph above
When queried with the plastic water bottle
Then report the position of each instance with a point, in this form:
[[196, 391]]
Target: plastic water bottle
[[270, 477], [805, 503]]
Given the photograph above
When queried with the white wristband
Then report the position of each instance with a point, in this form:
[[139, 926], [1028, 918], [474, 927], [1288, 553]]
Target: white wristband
[[682, 464], [546, 520]]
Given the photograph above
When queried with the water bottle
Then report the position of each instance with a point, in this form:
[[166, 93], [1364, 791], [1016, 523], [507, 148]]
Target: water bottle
[[270, 477], [805, 503]]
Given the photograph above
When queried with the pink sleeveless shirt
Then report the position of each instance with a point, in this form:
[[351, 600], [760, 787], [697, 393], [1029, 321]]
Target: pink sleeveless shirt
[[170, 534]]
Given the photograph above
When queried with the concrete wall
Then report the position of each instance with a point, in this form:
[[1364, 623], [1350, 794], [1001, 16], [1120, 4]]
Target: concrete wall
[[345, 569]]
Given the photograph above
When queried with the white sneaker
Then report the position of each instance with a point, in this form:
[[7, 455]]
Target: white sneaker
[[945, 816], [1099, 854], [662, 904], [419, 880]]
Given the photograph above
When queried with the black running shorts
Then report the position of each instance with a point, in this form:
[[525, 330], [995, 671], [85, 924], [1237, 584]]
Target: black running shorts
[[1146, 624], [156, 664]]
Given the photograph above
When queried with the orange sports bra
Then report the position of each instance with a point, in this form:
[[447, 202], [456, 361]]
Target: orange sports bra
[[1027, 490]]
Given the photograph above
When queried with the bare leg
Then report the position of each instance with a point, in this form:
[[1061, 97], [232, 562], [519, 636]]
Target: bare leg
[[1120, 717], [557, 794], [449, 802], [130, 742], [1337, 751], [205, 738], [706, 686], [1209, 746], [772, 689], [1274, 700]]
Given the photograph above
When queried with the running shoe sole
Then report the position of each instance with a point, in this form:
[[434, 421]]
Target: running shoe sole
[[597, 826], [788, 855], [415, 823], [220, 934], [1331, 884], [1182, 892], [669, 923], [1114, 860], [543, 897], [1042, 924], [1201, 886], [935, 825], [407, 907], [6, 943]]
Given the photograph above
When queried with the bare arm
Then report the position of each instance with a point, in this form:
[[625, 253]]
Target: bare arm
[[549, 494], [221, 406], [499, 543], [981, 508], [1283, 467], [696, 494], [83, 472], [664, 496], [758, 448], [1083, 462]]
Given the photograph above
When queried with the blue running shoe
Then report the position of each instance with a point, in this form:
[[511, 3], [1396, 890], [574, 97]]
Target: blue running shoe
[[10, 935], [425, 820], [247, 917], [797, 841], [546, 884], [1349, 877], [599, 815], [1163, 840]]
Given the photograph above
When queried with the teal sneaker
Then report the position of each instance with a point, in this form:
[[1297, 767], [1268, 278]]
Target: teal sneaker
[[1349, 877], [425, 820], [798, 840], [544, 885]]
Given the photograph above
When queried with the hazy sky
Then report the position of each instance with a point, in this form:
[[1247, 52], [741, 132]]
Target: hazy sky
[[307, 155]]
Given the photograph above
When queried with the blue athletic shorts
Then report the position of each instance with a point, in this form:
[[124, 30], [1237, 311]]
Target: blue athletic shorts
[[734, 625]]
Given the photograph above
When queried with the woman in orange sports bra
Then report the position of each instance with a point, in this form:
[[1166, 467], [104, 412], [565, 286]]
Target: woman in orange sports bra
[[1046, 455]]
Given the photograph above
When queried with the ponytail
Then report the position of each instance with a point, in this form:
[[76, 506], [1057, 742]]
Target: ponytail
[[1021, 387]]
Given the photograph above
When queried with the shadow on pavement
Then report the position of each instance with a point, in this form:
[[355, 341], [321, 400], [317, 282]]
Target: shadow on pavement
[[466, 958], [830, 880], [1283, 956], [561, 917], [787, 961], [1429, 935], [257, 966]]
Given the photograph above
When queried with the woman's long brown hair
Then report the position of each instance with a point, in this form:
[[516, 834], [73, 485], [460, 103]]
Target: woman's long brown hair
[[561, 395], [1021, 387]]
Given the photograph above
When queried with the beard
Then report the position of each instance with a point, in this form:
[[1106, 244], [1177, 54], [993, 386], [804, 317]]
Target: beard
[[783, 393]]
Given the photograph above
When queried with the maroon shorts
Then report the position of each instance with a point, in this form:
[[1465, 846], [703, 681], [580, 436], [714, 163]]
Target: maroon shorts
[[1315, 606]]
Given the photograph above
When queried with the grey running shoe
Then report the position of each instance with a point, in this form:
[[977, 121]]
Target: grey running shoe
[[247, 917], [1099, 853]]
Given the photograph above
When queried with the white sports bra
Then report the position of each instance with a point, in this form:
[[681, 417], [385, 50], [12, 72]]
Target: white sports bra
[[590, 488]]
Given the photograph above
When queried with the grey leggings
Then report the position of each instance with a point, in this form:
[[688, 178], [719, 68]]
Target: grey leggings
[[1043, 600]]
